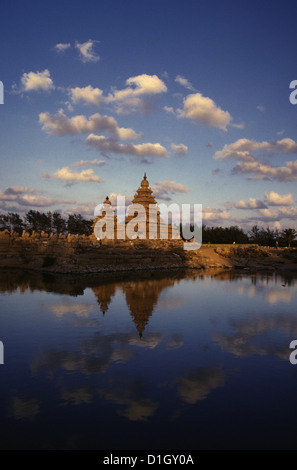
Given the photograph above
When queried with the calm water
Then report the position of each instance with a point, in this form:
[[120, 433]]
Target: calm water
[[161, 361]]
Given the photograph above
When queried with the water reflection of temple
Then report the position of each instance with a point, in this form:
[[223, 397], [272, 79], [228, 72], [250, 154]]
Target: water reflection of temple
[[142, 289], [141, 298], [104, 294]]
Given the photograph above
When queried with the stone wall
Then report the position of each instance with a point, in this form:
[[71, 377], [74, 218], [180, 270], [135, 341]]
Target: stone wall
[[84, 254]]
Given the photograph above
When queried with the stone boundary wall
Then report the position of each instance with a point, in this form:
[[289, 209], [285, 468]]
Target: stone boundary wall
[[75, 253], [85, 254]]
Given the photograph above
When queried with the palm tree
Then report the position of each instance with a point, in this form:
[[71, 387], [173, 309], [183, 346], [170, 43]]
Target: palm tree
[[288, 235]]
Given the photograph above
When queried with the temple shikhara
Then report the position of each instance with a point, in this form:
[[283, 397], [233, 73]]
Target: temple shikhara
[[143, 219]]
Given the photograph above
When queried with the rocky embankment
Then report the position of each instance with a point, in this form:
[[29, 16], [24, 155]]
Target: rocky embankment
[[83, 254]]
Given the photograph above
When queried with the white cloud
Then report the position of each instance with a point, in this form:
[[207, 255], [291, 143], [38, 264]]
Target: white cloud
[[215, 216], [172, 186], [184, 82], [124, 133], [203, 110], [66, 174], [86, 50], [275, 199], [240, 150], [41, 201], [131, 98], [253, 203], [15, 193], [29, 197], [60, 124], [15, 190], [265, 171], [180, 149], [288, 213], [286, 145], [61, 47], [163, 189], [108, 145], [244, 150], [261, 108], [8, 196], [37, 81], [276, 219], [269, 214], [241, 125], [169, 109], [89, 162], [87, 95], [144, 85], [85, 209], [113, 199], [272, 216]]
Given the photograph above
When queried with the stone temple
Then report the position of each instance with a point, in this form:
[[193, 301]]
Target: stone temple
[[146, 223]]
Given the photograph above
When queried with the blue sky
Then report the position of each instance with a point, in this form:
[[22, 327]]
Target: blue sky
[[195, 93]]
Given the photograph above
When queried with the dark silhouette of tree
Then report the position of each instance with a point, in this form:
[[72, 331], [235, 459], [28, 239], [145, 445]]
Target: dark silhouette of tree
[[12, 221], [254, 234], [4, 222], [264, 237], [38, 221], [226, 235], [288, 235], [59, 225], [48, 222], [77, 225]]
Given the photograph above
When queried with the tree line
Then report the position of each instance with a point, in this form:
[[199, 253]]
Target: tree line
[[258, 235], [49, 222], [53, 222]]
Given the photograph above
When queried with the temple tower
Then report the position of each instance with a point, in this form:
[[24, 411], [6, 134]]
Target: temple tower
[[152, 225], [144, 196], [146, 223]]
